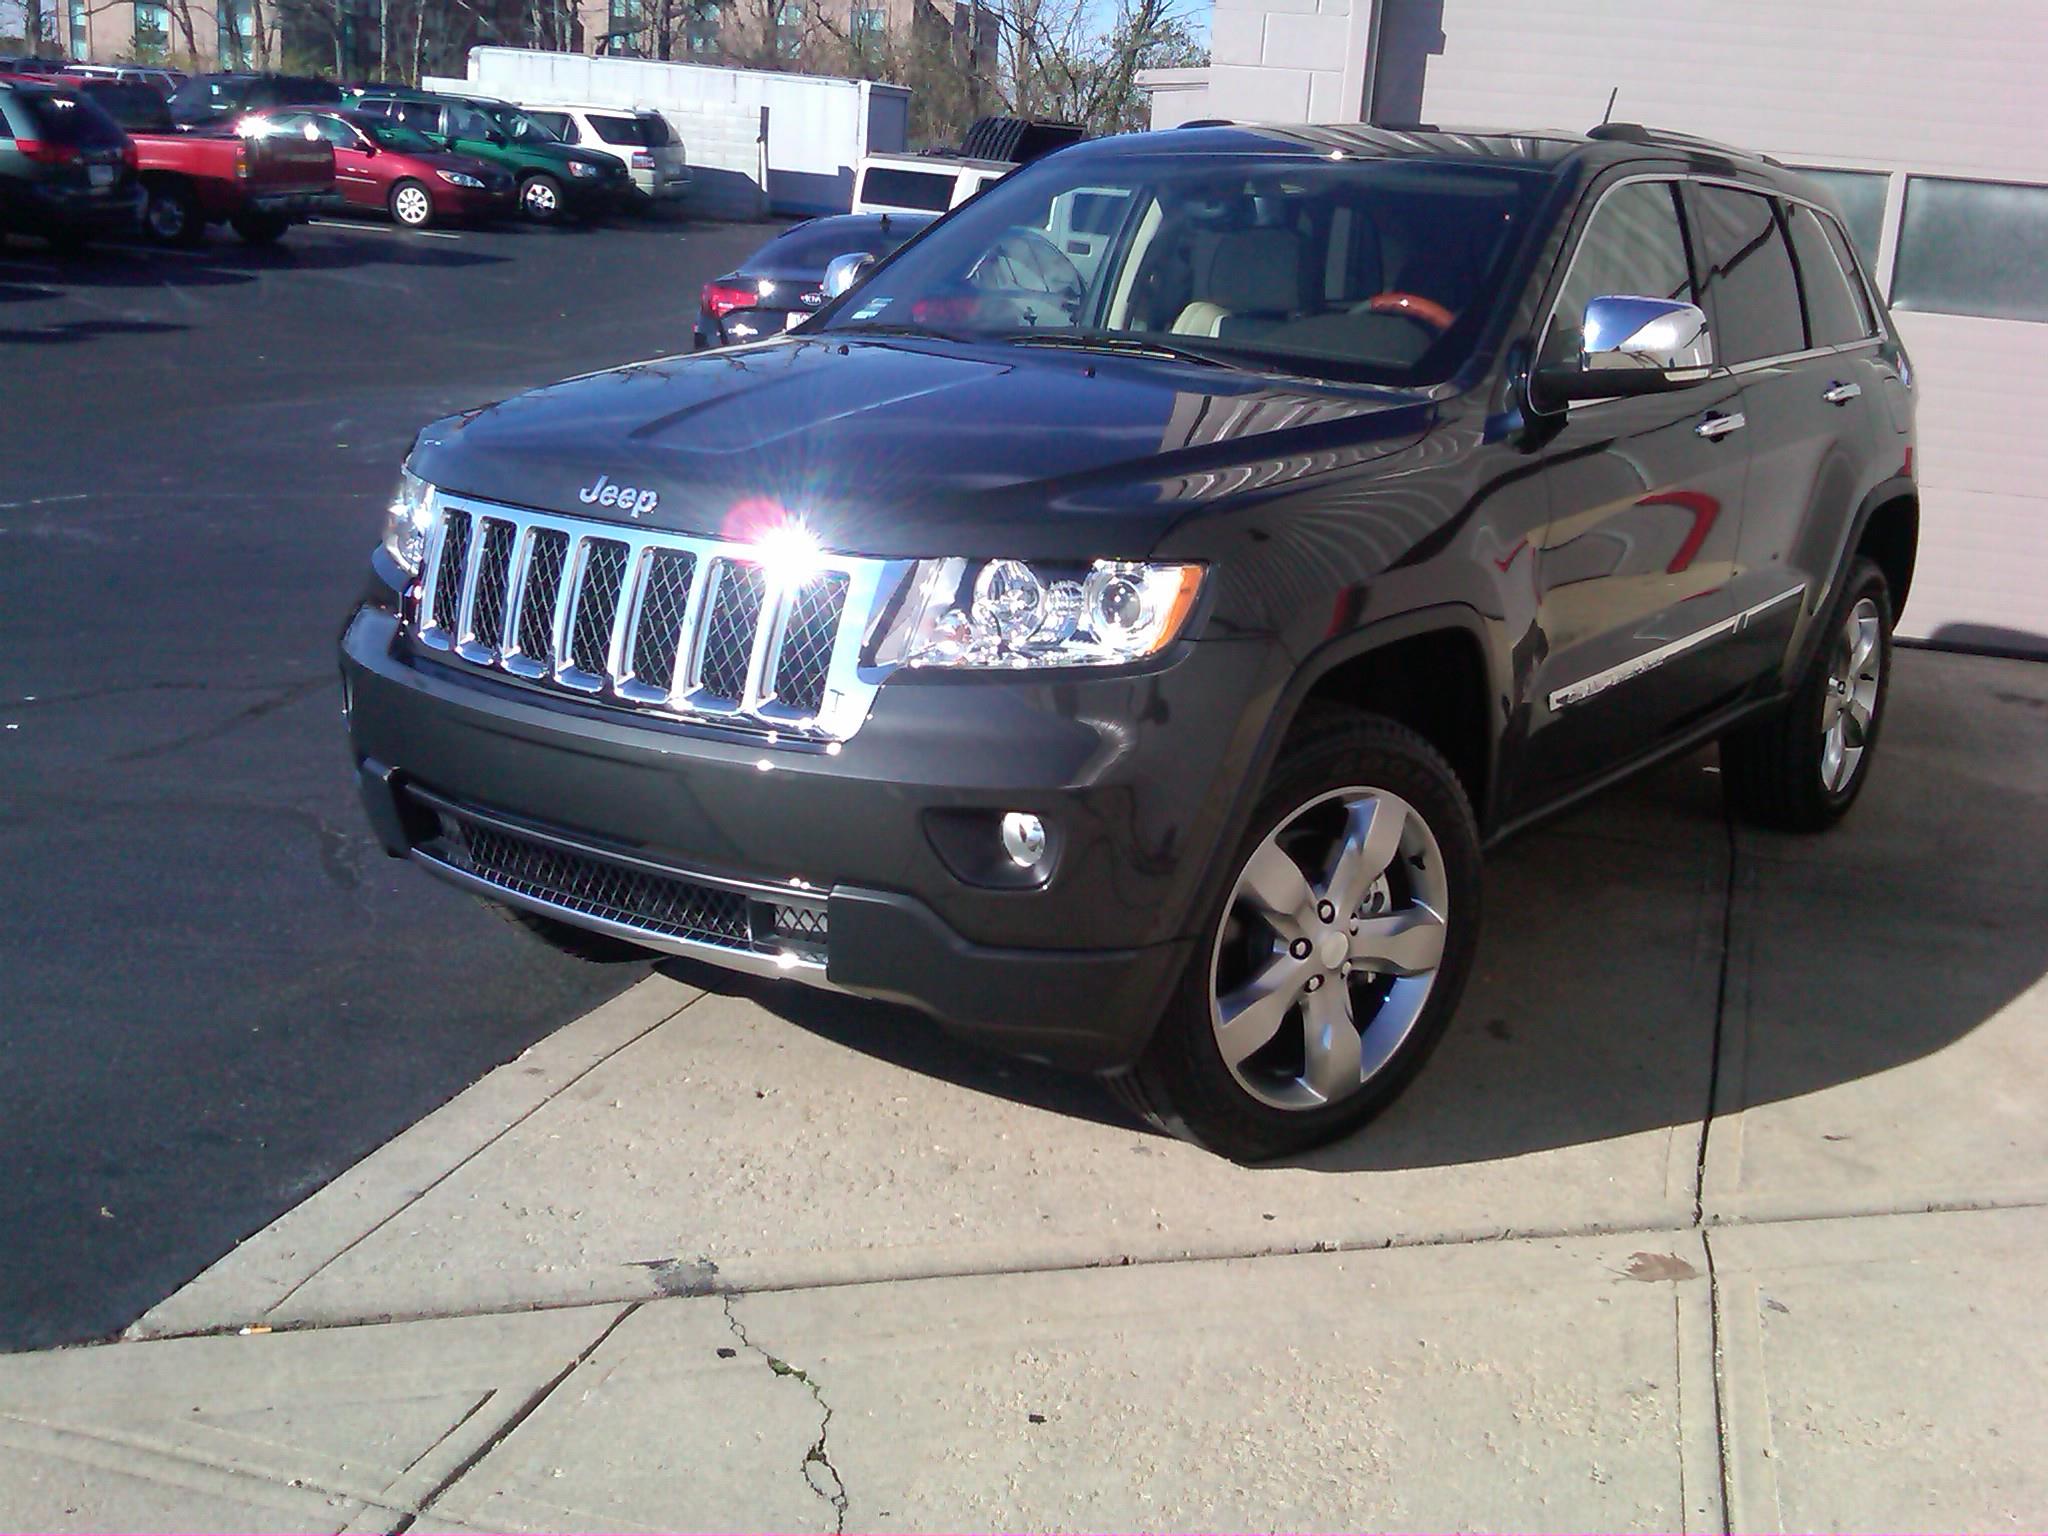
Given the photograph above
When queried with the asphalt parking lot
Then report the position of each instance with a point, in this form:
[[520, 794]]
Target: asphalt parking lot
[[215, 993]]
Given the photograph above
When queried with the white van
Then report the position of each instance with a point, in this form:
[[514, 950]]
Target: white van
[[921, 183], [638, 137]]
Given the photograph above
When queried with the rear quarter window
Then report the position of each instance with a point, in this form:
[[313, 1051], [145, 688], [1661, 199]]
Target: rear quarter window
[[72, 120], [619, 130]]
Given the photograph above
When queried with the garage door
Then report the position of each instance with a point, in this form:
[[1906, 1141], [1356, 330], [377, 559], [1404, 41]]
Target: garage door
[[1934, 125]]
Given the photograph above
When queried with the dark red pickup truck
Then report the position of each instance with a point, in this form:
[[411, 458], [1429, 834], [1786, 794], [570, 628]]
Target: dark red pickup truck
[[260, 183]]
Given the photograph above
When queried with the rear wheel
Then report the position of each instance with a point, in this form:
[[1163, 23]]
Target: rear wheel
[[260, 228], [1337, 956], [172, 214], [412, 205], [540, 199], [1801, 767]]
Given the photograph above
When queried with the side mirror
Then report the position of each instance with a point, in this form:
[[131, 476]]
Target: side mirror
[[842, 272], [1633, 346]]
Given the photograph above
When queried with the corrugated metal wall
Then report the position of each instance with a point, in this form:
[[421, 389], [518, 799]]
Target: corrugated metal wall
[[1899, 86]]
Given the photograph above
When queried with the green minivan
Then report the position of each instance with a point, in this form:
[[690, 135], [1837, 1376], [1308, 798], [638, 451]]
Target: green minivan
[[556, 180]]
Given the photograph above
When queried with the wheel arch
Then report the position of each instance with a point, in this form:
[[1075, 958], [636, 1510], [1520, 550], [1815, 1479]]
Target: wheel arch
[[1362, 670]]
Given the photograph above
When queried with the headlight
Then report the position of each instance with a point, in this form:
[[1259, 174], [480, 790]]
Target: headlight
[[406, 522], [580, 168], [1006, 613], [461, 179]]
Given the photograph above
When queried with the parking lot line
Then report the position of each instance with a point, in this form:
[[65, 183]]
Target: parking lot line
[[383, 229]]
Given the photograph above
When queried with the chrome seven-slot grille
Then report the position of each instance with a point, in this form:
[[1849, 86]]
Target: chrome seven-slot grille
[[666, 623]]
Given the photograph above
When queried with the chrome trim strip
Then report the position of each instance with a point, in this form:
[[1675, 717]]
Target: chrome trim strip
[[850, 687], [1586, 687], [788, 964]]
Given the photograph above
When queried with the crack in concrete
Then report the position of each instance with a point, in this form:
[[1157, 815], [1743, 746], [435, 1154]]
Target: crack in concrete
[[817, 1455], [1699, 1188]]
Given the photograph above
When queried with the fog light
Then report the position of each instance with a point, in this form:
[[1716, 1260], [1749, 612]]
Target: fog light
[[1023, 838]]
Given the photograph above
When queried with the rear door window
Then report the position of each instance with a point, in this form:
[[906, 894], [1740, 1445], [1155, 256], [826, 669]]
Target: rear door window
[[1634, 247], [1752, 288], [560, 124], [1833, 313]]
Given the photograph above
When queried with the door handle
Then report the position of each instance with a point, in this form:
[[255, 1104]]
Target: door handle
[[1839, 393], [1719, 426]]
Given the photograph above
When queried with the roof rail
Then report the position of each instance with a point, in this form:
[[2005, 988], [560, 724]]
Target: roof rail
[[1640, 133]]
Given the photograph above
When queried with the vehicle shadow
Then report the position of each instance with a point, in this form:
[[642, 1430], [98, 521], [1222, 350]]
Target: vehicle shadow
[[70, 332], [1599, 998]]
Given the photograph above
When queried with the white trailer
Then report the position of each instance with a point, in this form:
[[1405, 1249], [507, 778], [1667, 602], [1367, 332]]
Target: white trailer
[[755, 137]]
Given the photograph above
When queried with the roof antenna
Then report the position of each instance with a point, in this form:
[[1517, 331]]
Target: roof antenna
[[1611, 95]]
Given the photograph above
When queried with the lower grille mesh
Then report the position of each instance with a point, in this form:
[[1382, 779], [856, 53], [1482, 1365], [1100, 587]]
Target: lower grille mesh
[[659, 904]]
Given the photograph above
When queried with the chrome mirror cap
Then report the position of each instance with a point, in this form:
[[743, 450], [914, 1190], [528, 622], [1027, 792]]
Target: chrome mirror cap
[[842, 272], [1626, 334]]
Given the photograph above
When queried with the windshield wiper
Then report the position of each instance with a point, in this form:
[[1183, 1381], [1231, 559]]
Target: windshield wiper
[[1119, 345]]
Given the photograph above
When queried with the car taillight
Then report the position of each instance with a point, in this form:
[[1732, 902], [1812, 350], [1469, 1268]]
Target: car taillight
[[45, 153], [723, 298], [129, 155], [242, 161]]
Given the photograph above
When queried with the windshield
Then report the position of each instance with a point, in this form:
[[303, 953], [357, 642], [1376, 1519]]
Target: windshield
[[1380, 270], [396, 136], [135, 107]]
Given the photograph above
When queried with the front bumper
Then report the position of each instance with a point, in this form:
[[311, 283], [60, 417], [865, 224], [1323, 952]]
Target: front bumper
[[1134, 776]]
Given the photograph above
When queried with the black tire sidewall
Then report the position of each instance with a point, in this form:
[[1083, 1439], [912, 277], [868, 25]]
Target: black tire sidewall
[[1200, 1098], [174, 195], [1863, 580]]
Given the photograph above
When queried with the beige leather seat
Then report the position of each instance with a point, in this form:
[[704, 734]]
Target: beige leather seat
[[1251, 272]]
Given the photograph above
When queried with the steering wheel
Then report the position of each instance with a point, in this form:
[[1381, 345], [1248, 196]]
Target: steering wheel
[[1411, 306], [1021, 260]]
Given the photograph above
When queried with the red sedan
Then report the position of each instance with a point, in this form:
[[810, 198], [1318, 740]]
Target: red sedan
[[382, 164]]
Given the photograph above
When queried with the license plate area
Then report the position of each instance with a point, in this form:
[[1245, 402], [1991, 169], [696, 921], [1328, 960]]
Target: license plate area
[[100, 175]]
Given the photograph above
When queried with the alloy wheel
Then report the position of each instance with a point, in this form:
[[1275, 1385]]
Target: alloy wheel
[[540, 198], [1329, 948], [1855, 663], [412, 205]]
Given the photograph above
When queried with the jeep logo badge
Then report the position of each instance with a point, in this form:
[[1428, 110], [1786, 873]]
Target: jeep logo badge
[[602, 493]]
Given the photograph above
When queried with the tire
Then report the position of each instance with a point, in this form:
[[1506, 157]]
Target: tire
[[260, 228], [1800, 767], [566, 938], [540, 199], [1340, 776], [171, 216], [411, 204]]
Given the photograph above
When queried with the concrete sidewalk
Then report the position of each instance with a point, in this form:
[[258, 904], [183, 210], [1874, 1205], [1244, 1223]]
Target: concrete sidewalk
[[1725, 1204]]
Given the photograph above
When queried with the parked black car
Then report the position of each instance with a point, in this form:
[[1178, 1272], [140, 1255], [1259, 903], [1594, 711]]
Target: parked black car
[[227, 95], [1117, 624], [784, 281], [67, 171]]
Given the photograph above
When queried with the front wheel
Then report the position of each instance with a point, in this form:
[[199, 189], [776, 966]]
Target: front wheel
[[1337, 956], [412, 205], [1801, 767], [540, 199]]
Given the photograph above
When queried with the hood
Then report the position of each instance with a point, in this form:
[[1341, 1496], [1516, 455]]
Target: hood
[[908, 448]]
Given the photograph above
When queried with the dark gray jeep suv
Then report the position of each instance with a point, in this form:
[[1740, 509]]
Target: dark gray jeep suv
[[1118, 622]]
